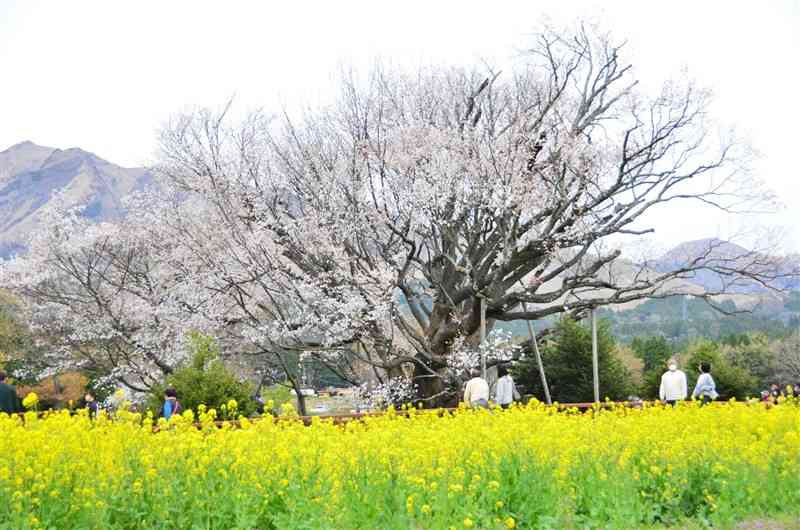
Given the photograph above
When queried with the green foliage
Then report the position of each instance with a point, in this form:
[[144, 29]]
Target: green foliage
[[205, 381], [99, 385], [278, 395], [736, 339], [319, 375], [653, 351], [732, 381], [742, 365], [567, 357], [651, 383], [756, 354]]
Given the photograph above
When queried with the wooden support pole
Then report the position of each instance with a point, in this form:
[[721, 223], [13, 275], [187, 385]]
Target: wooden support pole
[[595, 363], [483, 337], [538, 355]]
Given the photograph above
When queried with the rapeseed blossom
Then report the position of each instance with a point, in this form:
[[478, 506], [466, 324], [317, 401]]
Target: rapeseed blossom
[[526, 467], [31, 400]]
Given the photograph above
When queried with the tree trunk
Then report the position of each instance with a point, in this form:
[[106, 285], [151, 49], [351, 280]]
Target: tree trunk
[[432, 391], [301, 404], [301, 399]]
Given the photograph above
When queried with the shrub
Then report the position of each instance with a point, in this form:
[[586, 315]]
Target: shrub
[[730, 374], [205, 381], [278, 395]]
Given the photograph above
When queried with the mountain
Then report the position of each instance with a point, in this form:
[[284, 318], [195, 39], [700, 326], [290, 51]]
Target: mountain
[[714, 248], [724, 254], [30, 173]]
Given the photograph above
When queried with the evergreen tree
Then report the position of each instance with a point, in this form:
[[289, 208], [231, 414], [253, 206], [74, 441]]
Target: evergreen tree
[[567, 357], [653, 351]]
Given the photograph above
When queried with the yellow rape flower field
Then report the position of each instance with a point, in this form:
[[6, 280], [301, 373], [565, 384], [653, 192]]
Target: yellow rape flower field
[[527, 467]]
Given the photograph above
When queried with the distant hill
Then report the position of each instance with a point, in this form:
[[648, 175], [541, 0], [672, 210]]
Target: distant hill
[[681, 318], [726, 254], [30, 173]]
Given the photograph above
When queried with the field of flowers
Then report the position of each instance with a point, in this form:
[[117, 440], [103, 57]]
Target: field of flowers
[[528, 467]]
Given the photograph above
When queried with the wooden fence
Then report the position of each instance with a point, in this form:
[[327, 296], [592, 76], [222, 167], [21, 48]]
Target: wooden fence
[[341, 419]]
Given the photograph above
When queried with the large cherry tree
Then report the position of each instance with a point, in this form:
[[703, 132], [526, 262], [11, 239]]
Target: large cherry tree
[[366, 233]]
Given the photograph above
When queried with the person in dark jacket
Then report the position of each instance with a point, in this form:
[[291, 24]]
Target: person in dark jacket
[[9, 401], [775, 392], [91, 404]]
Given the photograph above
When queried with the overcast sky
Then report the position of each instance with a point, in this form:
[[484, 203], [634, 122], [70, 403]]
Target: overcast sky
[[103, 75]]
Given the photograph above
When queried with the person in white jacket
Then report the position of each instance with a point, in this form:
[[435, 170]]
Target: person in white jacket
[[476, 393], [505, 392], [673, 385]]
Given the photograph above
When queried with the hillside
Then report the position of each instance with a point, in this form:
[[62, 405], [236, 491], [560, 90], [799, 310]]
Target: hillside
[[680, 318], [30, 173], [755, 308], [724, 254]]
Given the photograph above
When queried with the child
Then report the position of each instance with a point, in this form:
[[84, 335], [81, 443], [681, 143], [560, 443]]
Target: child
[[91, 404], [705, 387], [171, 403]]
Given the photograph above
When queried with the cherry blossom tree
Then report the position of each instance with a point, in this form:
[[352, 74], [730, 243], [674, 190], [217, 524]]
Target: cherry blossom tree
[[99, 297], [374, 227], [367, 232]]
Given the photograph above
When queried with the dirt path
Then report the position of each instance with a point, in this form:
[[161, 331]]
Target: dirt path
[[765, 524]]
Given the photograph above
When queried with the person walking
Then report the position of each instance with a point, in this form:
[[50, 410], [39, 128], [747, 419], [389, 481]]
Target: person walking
[[775, 393], [9, 401], [91, 404], [171, 404], [505, 390], [476, 393], [673, 384], [706, 388]]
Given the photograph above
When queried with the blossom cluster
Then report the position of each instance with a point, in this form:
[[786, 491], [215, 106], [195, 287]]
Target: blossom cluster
[[499, 346]]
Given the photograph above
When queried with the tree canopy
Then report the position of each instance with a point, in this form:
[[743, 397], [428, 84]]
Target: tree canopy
[[367, 232], [654, 351]]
